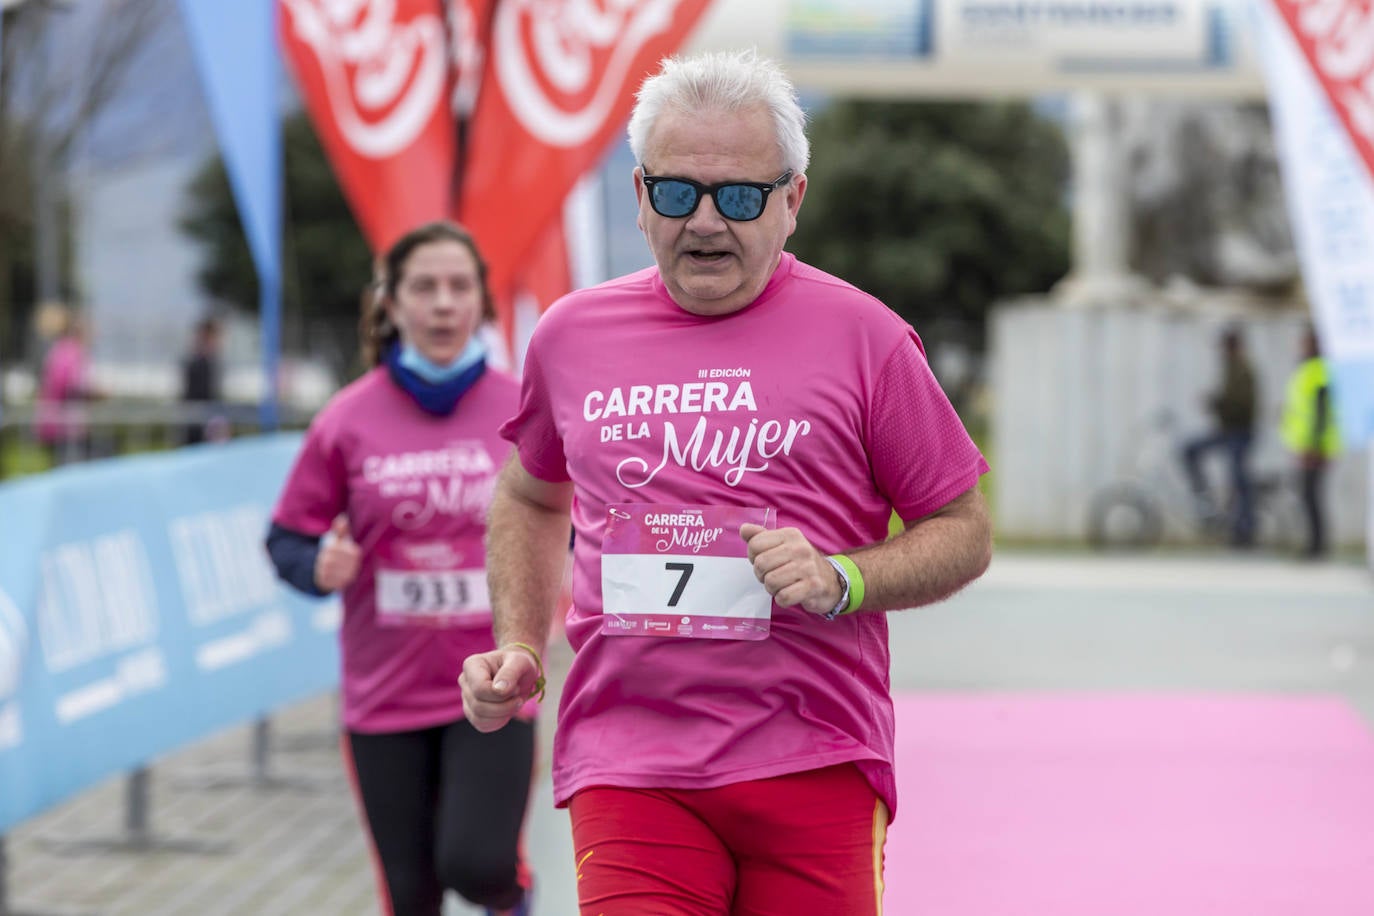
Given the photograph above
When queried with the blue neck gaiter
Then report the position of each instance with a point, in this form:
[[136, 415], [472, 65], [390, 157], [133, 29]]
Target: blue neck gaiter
[[440, 395]]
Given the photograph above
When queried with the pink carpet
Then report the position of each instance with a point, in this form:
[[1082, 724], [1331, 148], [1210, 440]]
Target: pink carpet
[[1131, 805]]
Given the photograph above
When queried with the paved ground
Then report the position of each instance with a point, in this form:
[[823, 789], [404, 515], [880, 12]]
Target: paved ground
[[224, 845], [1037, 624]]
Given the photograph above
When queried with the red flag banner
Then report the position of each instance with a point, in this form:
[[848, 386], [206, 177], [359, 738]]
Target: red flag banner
[[376, 78], [545, 274], [1337, 38], [558, 85]]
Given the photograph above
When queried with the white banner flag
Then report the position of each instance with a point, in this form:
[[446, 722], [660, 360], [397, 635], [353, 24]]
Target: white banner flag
[[1330, 196]]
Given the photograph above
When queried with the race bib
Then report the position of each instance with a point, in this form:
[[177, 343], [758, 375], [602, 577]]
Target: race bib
[[432, 598], [682, 571]]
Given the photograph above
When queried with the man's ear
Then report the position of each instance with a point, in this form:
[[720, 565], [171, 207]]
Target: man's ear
[[637, 175], [796, 190]]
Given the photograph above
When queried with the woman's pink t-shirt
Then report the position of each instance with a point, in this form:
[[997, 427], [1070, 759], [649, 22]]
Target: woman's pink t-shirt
[[416, 489], [815, 400], [64, 381]]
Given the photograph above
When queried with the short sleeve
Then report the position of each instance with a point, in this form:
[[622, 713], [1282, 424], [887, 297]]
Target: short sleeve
[[922, 456], [533, 430], [316, 489]]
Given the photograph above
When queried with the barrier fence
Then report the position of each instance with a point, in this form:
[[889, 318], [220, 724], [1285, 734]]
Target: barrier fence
[[139, 613]]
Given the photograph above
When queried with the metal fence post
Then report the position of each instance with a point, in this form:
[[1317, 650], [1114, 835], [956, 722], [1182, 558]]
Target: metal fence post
[[262, 752], [136, 809], [4, 870]]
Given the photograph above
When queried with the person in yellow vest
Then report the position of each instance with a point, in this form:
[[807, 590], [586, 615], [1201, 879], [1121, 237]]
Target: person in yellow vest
[[1309, 430]]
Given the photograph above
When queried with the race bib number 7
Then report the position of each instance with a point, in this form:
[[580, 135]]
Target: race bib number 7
[[683, 572]]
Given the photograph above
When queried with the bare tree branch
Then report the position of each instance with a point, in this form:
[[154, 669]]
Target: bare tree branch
[[61, 67], [125, 27]]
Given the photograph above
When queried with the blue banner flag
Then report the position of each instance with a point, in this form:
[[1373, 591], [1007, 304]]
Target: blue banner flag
[[240, 69], [139, 613]]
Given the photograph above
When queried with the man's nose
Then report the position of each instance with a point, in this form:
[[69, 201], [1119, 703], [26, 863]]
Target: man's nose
[[706, 219]]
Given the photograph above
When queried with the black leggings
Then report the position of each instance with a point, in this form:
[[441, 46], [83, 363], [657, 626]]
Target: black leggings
[[445, 806]]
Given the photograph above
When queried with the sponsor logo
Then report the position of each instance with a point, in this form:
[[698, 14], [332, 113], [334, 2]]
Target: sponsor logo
[[684, 529], [383, 79], [1337, 41], [223, 571], [455, 481], [675, 518], [660, 400], [11, 726], [468, 56], [433, 555], [563, 66], [1069, 14], [458, 458], [694, 540], [740, 449], [732, 449], [14, 643]]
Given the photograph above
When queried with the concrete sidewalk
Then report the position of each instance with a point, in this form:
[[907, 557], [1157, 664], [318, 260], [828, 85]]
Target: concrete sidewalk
[[222, 846], [1062, 623]]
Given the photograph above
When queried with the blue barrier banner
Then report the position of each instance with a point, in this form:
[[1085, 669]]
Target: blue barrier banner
[[139, 612]]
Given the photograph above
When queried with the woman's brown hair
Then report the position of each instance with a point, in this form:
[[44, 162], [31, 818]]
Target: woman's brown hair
[[376, 333]]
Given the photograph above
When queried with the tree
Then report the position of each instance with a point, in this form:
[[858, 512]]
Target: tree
[[1206, 196], [47, 106], [938, 209], [325, 257]]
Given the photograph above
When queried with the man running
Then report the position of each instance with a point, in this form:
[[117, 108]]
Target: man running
[[730, 432]]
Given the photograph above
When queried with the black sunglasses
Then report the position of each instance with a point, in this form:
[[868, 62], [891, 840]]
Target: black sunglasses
[[740, 201]]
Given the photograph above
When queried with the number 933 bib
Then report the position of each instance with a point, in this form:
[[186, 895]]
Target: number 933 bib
[[430, 585], [682, 571]]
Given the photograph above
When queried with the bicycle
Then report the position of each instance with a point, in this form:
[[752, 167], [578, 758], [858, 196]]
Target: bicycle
[[1154, 502]]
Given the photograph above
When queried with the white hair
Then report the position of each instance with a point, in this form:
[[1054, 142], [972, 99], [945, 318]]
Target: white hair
[[723, 81]]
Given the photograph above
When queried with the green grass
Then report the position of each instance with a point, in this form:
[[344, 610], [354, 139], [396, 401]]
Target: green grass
[[18, 459]]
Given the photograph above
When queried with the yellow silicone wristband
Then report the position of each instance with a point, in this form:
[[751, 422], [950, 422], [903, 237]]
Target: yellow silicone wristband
[[539, 663], [856, 582]]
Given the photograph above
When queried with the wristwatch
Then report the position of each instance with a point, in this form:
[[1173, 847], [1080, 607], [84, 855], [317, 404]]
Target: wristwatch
[[843, 603]]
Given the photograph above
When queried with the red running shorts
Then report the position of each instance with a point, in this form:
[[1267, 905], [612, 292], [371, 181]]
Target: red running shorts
[[804, 843]]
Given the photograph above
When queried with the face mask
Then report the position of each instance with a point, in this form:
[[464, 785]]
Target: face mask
[[434, 373]]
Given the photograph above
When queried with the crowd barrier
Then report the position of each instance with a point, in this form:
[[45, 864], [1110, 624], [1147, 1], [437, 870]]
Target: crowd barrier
[[139, 613]]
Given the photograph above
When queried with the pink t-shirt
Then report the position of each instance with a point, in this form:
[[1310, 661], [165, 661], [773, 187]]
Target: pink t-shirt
[[64, 381], [416, 489], [815, 400]]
